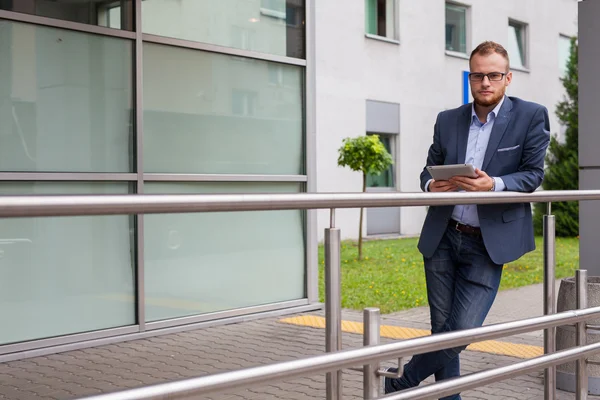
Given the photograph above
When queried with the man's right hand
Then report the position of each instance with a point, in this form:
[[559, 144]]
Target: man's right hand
[[442, 186]]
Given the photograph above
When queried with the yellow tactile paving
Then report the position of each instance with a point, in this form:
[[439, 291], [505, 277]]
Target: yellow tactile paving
[[398, 332]]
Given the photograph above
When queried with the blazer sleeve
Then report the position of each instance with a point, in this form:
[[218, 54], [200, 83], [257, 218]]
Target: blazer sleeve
[[435, 155], [531, 169]]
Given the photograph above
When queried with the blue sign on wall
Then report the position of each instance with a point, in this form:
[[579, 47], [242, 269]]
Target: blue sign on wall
[[465, 91]]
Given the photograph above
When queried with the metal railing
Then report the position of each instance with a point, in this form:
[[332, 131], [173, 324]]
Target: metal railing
[[336, 360]]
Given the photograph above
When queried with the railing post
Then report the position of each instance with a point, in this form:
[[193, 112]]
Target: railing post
[[549, 303], [333, 307], [371, 336], [581, 390]]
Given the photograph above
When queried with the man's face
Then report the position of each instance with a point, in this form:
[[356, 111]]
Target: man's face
[[488, 92]]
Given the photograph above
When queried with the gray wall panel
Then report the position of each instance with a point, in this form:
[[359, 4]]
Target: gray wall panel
[[589, 65], [589, 223], [383, 117]]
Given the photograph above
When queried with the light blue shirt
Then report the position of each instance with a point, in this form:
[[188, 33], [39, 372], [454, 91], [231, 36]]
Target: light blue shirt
[[479, 136]]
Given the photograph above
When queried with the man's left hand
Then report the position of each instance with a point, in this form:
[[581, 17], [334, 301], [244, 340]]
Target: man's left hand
[[483, 183]]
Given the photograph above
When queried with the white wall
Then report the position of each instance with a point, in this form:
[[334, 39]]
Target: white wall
[[418, 75]]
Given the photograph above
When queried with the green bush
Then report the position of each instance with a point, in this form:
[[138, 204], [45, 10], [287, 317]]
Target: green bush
[[562, 162]]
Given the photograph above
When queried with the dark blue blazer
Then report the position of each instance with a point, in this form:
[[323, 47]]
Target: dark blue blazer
[[515, 153]]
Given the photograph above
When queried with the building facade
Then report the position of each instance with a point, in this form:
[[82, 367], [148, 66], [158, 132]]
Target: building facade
[[154, 97], [229, 96], [388, 67]]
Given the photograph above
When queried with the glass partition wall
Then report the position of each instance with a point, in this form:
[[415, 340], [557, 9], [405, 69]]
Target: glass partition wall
[[152, 96]]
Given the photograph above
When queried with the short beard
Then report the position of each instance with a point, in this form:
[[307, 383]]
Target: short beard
[[487, 103]]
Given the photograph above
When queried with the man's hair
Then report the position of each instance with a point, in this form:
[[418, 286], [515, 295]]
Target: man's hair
[[488, 47]]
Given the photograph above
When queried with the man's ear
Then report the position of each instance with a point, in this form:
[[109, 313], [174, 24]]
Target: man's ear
[[508, 78]]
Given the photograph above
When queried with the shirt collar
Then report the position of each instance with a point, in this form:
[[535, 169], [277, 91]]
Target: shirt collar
[[495, 111]]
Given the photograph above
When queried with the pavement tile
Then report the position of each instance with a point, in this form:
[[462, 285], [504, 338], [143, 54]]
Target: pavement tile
[[114, 367]]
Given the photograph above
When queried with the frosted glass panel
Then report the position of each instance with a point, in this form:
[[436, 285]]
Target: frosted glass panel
[[64, 275], [217, 114], [564, 52], [65, 101], [207, 262], [267, 26], [114, 14]]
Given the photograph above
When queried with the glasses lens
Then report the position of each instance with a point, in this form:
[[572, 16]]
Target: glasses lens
[[476, 77], [495, 76]]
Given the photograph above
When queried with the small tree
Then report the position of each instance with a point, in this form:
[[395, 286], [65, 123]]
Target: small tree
[[368, 155], [562, 162]]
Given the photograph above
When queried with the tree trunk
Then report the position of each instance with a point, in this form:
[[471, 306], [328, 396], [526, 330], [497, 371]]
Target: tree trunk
[[360, 224]]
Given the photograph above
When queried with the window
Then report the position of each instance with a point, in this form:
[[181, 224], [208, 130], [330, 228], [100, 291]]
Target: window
[[55, 270], [564, 52], [112, 14], [66, 102], [190, 258], [386, 178], [229, 119], [267, 26], [456, 28], [517, 49], [380, 18]]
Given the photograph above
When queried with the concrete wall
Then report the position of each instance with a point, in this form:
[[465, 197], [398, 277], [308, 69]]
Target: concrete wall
[[419, 75]]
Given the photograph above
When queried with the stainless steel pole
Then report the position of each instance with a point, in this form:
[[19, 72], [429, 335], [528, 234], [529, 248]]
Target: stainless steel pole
[[371, 336], [581, 391], [549, 303], [333, 307]]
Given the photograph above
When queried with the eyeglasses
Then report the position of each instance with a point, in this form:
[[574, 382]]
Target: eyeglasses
[[492, 76]]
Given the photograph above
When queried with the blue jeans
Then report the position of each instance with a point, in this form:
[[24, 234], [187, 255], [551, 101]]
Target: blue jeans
[[462, 282]]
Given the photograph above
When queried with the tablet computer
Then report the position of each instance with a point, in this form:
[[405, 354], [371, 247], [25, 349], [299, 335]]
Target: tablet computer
[[445, 172]]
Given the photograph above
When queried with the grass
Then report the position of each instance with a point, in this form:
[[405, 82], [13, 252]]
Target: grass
[[391, 276]]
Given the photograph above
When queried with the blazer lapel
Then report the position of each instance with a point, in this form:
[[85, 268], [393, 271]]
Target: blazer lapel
[[500, 125], [464, 122]]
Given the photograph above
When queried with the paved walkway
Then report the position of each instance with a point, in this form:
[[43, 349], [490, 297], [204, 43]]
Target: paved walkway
[[109, 368]]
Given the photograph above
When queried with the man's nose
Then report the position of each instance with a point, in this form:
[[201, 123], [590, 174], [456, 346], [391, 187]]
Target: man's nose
[[486, 81]]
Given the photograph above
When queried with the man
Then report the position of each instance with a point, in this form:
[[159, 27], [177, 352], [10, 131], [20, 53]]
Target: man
[[464, 247]]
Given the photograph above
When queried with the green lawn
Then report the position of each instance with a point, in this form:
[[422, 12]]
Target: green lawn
[[391, 274]]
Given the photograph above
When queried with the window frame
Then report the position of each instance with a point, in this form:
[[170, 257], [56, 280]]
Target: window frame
[[468, 45], [395, 38], [562, 68], [524, 26]]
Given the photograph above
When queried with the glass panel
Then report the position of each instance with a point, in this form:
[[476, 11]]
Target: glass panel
[[207, 262], [456, 28], [267, 26], [390, 23], [371, 16], [218, 114], [65, 100], [65, 275], [386, 178], [113, 14], [516, 46], [564, 52]]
